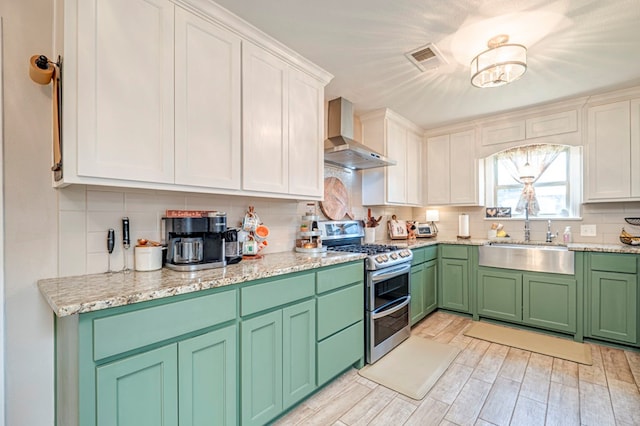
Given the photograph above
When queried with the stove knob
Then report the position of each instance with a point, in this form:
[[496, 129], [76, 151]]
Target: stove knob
[[393, 256], [385, 257], [379, 259]]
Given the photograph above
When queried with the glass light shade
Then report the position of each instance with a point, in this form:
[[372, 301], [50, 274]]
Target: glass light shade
[[499, 65], [433, 215], [527, 174]]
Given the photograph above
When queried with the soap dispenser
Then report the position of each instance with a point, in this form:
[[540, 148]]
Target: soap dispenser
[[566, 237]]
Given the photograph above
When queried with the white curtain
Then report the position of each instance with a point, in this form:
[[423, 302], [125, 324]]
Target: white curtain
[[520, 161]]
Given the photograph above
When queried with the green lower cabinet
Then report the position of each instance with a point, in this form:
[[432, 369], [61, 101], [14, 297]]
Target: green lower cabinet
[[424, 279], [549, 302], [539, 300], [140, 390], [299, 352], [454, 284], [207, 368], [613, 306], [277, 361], [500, 295]]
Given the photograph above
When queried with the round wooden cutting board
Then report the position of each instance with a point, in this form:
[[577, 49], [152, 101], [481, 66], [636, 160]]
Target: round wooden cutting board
[[336, 199]]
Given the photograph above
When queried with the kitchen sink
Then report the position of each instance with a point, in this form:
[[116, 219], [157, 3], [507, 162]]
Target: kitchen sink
[[528, 257]]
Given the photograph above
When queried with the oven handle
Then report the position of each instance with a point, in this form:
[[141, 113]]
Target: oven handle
[[379, 314], [389, 273]]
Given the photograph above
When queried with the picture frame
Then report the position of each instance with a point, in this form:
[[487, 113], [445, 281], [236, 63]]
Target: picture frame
[[491, 212]]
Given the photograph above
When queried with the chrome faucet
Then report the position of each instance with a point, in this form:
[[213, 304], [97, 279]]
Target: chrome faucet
[[550, 236], [527, 229]]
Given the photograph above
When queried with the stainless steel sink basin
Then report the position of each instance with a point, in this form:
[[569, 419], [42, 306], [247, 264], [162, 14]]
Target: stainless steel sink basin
[[528, 257]]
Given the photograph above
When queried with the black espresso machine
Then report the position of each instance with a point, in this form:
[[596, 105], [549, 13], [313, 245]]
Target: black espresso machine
[[195, 243]]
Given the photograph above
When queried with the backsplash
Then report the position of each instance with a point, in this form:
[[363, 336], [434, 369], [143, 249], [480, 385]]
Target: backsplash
[[608, 218], [87, 212]]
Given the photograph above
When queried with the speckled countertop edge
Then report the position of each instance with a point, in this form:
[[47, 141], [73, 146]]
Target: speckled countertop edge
[[88, 293]]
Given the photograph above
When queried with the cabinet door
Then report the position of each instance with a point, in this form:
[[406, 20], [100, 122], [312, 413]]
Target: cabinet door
[[463, 168], [635, 148], [207, 371], [430, 298], [299, 352], [306, 132], [265, 160], [416, 306], [500, 295], [125, 90], [549, 302], [414, 168], [261, 368], [455, 284], [608, 150], [396, 175], [438, 180], [613, 306], [140, 390], [207, 112]]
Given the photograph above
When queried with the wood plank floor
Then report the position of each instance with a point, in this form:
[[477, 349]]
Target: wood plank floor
[[488, 384]]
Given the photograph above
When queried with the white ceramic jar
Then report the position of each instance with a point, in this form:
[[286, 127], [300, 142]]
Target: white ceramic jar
[[148, 258]]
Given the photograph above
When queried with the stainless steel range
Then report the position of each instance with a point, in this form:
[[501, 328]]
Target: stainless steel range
[[387, 280]]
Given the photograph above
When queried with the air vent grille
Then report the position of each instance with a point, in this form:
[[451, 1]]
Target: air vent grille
[[426, 57]]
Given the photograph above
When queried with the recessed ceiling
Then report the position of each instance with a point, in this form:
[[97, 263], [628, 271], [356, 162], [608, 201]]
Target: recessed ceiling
[[575, 47]]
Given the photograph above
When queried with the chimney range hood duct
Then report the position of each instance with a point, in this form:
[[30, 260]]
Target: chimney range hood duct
[[340, 149]]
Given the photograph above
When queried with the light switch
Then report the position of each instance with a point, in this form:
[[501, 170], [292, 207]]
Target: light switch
[[587, 230]]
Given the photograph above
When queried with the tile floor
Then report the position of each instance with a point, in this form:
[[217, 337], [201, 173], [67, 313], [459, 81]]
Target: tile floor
[[488, 384]]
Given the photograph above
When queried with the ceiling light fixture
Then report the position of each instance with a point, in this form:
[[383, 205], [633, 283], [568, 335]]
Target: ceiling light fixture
[[501, 64]]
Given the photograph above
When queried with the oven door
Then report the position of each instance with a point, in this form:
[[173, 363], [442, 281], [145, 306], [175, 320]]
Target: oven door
[[388, 321], [385, 286]]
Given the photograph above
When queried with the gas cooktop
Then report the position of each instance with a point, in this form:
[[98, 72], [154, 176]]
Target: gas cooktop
[[346, 237]]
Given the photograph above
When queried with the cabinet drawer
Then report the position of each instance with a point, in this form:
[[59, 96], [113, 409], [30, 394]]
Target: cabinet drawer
[[340, 276], [340, 309], [339, 351], [625, 263], [274, 293], [455, 252], [418, 256], [146, 326]]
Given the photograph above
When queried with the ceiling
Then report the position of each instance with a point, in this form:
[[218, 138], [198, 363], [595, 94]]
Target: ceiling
[[575, 47]]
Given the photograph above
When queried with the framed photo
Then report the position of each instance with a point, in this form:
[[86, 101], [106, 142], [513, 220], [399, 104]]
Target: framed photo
[[498, 212]]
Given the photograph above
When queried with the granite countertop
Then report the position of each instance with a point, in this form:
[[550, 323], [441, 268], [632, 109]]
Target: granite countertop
[[87, 293]]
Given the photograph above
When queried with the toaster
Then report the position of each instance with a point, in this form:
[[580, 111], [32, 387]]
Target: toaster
[[426, 230]]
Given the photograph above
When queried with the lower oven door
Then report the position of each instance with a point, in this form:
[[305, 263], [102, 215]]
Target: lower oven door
[[387, 326]]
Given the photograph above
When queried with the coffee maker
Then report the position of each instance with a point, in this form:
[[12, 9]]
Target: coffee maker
[[195, 243]]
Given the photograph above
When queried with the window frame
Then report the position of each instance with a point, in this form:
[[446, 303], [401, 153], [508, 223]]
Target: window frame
[[573, 184]]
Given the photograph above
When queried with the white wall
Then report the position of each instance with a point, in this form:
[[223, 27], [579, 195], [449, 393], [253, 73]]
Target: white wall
[[2, 345], [30, 213]]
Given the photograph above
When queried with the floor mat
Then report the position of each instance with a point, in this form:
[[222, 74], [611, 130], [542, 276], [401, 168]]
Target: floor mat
[[531, 341], [413, 367]]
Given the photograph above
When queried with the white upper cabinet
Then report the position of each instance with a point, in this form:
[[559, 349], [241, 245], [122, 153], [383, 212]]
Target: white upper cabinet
[[453, 173], [613, 152], [282, 126], [400, 140], [185, 96], [265, 155], [306, 134], [124, 91], [207, 107]]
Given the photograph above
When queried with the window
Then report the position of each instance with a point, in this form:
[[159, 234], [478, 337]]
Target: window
[[552, 189]]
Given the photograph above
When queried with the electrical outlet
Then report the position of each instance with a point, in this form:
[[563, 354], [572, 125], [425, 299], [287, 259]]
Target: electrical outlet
[[587, 230]]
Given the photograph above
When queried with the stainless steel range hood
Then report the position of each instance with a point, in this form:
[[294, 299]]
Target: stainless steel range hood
[[340, 149]]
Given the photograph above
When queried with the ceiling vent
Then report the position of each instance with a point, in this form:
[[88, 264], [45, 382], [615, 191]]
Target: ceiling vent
[[426, 58]]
